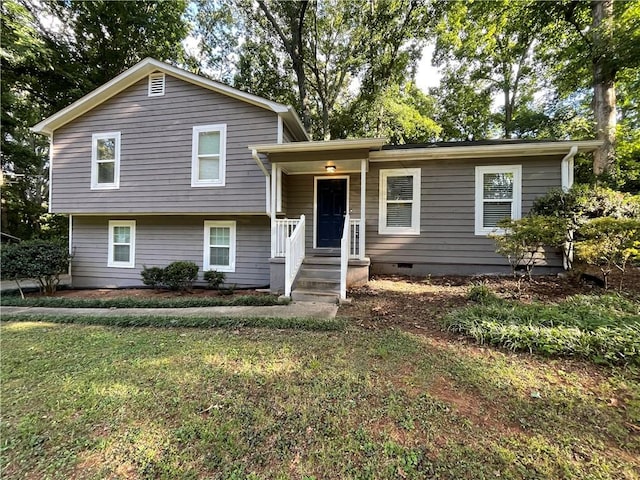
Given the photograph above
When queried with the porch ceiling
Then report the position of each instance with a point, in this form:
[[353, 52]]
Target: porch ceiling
[[319, 166]]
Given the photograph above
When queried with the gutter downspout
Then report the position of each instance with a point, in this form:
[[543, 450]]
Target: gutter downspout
[[254, 154], [566, 171], [566, 168]]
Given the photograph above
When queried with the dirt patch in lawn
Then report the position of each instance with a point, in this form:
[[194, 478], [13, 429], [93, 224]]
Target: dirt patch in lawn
[[417, 303]]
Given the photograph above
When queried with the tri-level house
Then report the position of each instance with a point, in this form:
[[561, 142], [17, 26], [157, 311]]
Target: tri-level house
[[160, 164]]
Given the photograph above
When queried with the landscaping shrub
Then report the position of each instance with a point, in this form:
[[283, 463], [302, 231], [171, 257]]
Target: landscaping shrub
[[180, 275], [42, 260], [582, 326], [214, 279], [152, 276], [483, 295]]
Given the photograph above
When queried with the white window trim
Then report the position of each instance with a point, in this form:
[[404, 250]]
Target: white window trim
[[383, 229], [516, 202], [195, 182], [94, 162], [232, 246], [132, 253], [152, 77]]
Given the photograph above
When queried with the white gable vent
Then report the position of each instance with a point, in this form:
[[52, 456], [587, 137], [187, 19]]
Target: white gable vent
[[156, 84]]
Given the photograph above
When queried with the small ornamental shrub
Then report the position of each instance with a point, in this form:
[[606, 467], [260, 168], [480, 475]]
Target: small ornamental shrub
[[523, 240], [152, 276], [180, 275], [214, 279], [42, 260], [483, 295], [609, 243]]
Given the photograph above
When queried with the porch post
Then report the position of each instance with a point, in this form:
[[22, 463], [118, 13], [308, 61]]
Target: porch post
[[273, 210], [363, 201]]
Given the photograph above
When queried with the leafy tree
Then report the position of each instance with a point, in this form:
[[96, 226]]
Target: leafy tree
[[52, 54], [320, 50], [42, 260], [486, 49]]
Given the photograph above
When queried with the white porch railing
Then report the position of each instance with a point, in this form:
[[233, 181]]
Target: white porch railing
[[356, 239], [344, 256], [293, 254], [282, 229]]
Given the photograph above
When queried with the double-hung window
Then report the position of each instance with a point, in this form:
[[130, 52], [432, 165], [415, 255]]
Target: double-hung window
[[220, 246], [498, 196], [399, 201], [208, 156], [122, 243], [105, 160]]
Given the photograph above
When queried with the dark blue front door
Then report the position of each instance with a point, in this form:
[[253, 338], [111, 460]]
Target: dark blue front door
[[331, 209]]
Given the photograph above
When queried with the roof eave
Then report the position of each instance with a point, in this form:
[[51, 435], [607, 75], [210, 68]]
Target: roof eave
[[485, 151], [321, 146], [138, 72]]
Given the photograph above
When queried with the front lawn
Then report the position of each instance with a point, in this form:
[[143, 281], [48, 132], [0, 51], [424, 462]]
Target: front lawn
[[84, 401]]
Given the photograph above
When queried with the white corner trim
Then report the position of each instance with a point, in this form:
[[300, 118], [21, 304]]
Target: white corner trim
[[50, 208], [416, 174], [132, 244], [220, 182], [70, 241], [206, 260], [280, 137], [516, 201]]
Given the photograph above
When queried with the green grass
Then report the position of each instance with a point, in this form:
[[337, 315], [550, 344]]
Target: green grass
[[131, 302], [167, 321], [601, 328], [92, 402]]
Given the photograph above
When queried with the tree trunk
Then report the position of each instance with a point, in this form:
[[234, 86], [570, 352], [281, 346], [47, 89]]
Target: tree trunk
[[604, 93]]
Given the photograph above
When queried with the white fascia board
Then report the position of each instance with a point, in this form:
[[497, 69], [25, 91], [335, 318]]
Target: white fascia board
[[483, 151], [136, 73], [321, 146]]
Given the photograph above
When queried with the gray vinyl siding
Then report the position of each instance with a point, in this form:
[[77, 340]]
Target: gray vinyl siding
[[161, 240], [156, 146], [447, 213], [287, 136]]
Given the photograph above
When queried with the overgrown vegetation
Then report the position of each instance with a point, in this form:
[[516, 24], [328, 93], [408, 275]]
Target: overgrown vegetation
[[42, 260], [131, 302], [103, 402], [598, 226], [603, 329]]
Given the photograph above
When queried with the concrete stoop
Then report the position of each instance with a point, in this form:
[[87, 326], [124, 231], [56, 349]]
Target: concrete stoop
[[318, 280]]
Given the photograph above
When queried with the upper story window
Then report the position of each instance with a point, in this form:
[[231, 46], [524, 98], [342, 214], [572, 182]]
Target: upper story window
[[105, 160], [208, 156], [156, 84], [400, 201], [122, 243], [498, 196]]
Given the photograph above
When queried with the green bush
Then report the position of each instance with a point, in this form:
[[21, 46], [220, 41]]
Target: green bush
[[483, 295], [214, 279], [152, 276], [180, 275], [42, 260]]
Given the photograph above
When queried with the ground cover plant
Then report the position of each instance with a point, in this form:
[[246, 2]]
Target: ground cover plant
[[148, 301], [601, 328]]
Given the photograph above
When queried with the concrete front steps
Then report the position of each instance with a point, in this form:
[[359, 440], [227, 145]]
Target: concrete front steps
[[318, 280]]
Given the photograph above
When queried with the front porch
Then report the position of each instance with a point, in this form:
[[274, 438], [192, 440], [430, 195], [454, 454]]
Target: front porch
[[317, 205]]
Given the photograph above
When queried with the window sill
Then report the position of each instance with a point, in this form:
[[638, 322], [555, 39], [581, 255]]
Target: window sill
[[105, 187], [207, 184]]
